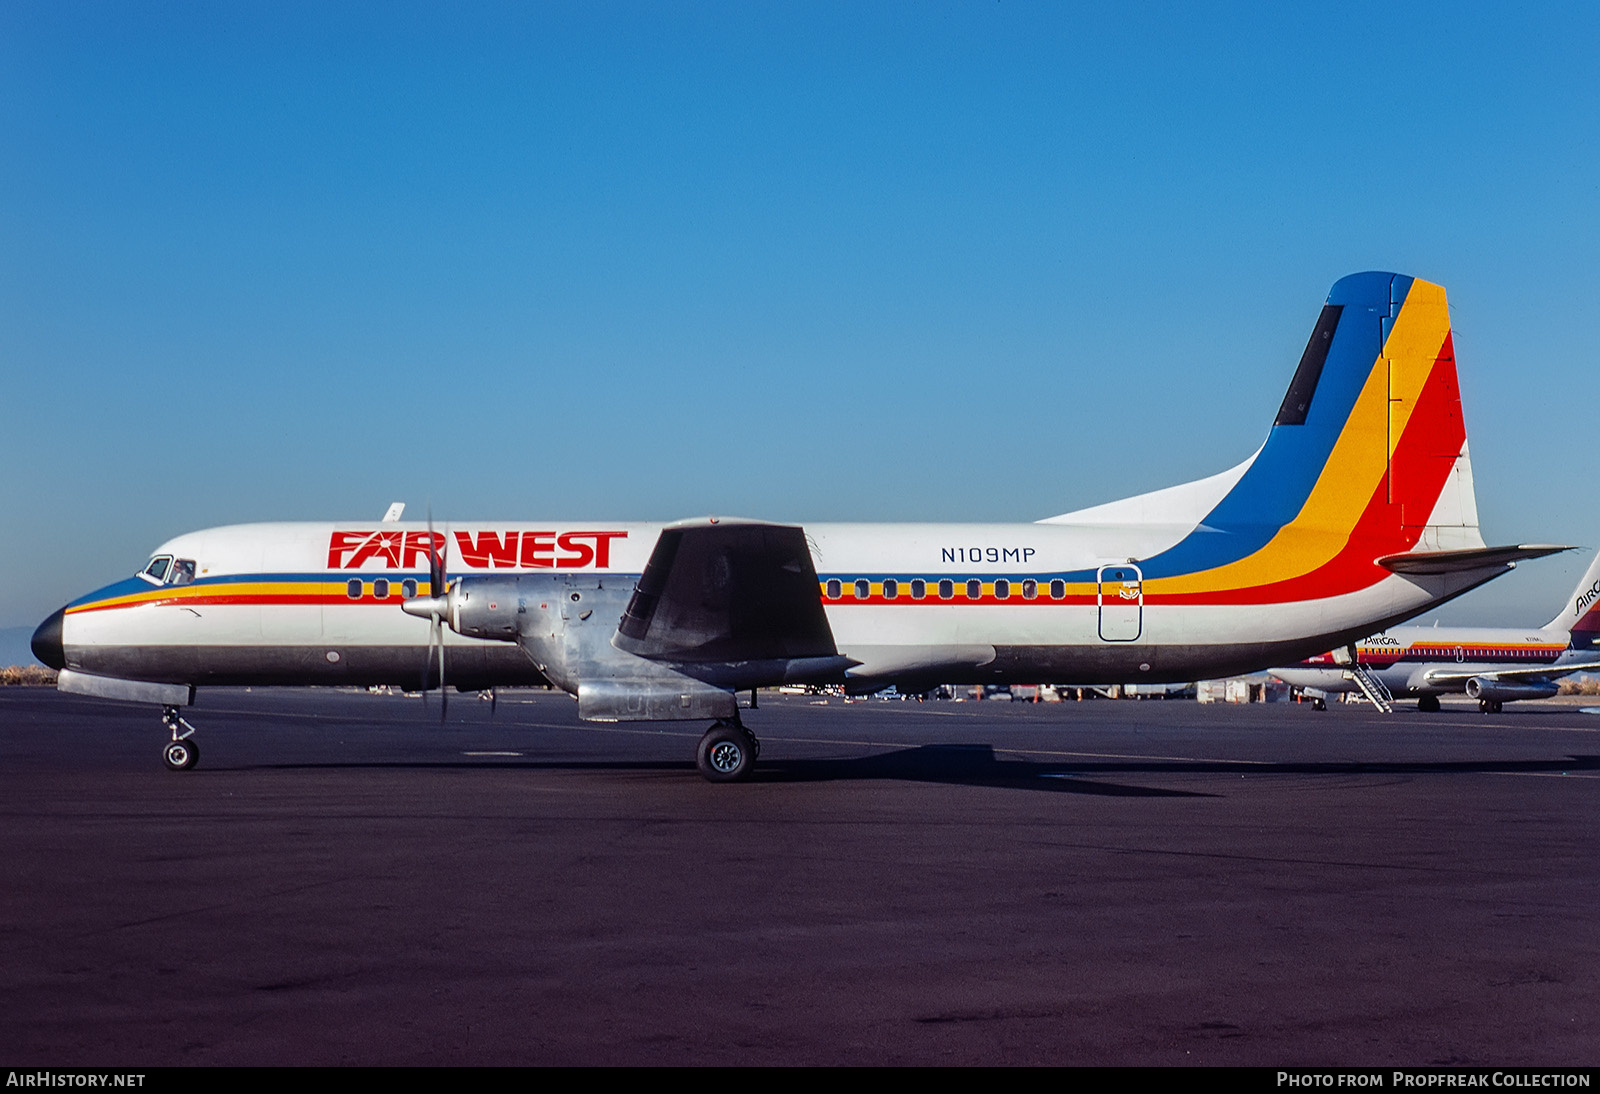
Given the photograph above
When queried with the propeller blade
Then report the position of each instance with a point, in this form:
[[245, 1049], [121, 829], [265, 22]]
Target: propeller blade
[[444, 696], [436, 571], [435, 608], [427, 659], [437, 546]]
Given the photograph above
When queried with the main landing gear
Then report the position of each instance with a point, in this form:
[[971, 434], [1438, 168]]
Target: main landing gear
[[1428, 704], [1489, 706], [728, 751], [181, 753]]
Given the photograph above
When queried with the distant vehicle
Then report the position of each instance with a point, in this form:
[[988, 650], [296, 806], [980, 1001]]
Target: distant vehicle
[[1356, 513], [1494, 665]]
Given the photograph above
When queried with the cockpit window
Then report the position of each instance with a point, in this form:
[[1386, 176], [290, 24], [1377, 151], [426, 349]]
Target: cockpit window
[[163, 570]]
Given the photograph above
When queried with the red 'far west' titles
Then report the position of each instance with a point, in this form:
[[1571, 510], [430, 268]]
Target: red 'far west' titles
[[481, 550]]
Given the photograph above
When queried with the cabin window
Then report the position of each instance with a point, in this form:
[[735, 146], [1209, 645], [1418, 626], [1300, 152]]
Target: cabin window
[[891, 589], [1030, 589], [352, 588], [1058, 590], [408, 588], [947, 589], [380, 588], [974, 589], [1002, 589], [835, 590], [157, 570], [919, 589], [863, 590]]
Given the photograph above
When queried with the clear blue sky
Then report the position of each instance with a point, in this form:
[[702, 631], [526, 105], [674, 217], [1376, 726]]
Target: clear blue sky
[[973, 261]]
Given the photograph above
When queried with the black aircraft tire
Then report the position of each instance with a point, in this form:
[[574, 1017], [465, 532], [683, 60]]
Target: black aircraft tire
[[726, 754], [180, 755], [1428, 704]]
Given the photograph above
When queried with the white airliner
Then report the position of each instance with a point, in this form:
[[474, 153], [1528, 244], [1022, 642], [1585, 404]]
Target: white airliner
[[1493, 665], [1357, 512]]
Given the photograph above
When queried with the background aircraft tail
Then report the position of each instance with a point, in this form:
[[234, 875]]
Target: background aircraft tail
[[1580, 615]]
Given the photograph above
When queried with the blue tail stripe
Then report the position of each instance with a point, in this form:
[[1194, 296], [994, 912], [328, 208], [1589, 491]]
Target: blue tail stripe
[[1275, 488]]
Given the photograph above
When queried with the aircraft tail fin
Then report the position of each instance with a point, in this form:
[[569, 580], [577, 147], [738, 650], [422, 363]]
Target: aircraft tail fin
[[1369, 439], [1367, 459], [1580, 616], [1371, 427]]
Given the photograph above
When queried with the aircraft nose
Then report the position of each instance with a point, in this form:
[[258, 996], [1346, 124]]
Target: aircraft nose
[[47, 641]]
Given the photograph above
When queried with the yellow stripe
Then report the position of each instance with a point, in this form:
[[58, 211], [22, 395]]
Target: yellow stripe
[[1412, 350], [176, 594]]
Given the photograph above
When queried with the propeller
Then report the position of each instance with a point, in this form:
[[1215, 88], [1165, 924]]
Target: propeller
[[434, 607]]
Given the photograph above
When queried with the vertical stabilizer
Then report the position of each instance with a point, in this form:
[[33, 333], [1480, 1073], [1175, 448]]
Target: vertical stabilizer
[[1367, 459], [1580, 615]]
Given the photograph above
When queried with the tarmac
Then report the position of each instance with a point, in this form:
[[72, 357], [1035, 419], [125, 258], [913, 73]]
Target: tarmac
[[344, 880]]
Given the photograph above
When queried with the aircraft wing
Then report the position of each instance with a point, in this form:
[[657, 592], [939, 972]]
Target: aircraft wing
[[1513, 672], [1478, 558], [726, 591]]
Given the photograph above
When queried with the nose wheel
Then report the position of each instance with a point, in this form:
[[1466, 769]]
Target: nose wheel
[[181, 752], [181, 755], [727, 753]]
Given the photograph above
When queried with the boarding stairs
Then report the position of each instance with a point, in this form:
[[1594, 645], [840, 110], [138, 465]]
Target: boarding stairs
[[1370, 686]]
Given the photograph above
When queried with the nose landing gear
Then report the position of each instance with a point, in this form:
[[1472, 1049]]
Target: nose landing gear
[[181, 753]]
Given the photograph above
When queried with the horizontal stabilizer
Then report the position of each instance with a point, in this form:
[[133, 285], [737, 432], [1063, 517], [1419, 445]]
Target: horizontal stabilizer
[[1478, 558]]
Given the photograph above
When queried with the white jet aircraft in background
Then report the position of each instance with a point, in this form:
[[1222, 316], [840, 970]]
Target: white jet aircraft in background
[[1493, 665], [1356, 513]]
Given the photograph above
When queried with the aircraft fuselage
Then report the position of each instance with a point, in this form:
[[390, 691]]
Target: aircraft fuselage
[[313, 603]]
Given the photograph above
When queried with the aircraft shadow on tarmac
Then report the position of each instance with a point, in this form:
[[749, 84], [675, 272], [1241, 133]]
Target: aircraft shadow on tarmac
[[955, 765], [959, 765], [978, 765]]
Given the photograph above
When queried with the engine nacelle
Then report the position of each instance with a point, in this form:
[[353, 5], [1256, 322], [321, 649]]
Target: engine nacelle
[[487, 607], [664, 697], [1488, 689], [567, 625]]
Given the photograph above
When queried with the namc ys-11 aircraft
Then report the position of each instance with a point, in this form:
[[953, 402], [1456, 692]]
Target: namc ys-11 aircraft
[[1357, 512], [1494, 665]]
